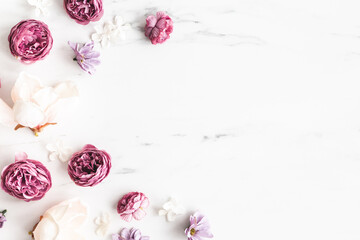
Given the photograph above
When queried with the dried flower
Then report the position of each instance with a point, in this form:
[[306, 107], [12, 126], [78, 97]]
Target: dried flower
[[84, 11], [58, 151], [112, 32], [2, 218], [85, 56], [40, 6], [171, 209], [26, 179], [89, 167], [132, 205], [129, 234], [63, 221], [30, 41], [158, 28], [103, 223]]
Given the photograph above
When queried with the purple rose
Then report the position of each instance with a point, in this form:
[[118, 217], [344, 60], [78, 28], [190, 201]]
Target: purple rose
[[158, 28], [84, 11], [30, 41], [89, 167], [26, 179]]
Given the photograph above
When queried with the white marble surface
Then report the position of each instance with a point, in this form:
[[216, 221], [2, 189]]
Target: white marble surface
[[249, 113]]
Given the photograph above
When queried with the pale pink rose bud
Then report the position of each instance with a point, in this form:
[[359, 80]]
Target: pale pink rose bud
[[132, 205], [158, 28]]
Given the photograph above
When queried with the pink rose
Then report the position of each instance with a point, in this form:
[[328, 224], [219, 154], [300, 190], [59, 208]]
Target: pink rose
[[26, 179], [84, 11], [30, 41], [158, 28], [132, 205], [89, 167]]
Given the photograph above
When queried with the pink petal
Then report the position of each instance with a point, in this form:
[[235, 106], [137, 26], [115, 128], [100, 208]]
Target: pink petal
[[139, 214], [20, 156], [126, 217]]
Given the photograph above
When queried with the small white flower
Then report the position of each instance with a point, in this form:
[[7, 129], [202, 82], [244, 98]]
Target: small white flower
[[171, 209], [103, 223], [40, 6], [112, 32], [58, 151]]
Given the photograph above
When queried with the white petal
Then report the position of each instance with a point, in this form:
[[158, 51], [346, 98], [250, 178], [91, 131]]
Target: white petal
[[118, 20], [162, 212], [105, 42], [61, 109], [62, 221], [6, 115], [171, 216], [45, 97], [67, 90], [25, 86], [96, 37], [53, 156], [51, 147], [28, 114]]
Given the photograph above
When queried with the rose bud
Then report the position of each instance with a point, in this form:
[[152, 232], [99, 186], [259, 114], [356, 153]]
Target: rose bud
[[84, 11], [132, 205], [89, 167], [30, 41], [158, 28], [26, 179]]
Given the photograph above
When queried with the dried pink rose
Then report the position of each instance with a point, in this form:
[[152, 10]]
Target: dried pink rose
[[84, 11], [90, 166], [26, 179], [30, 41], [158, 28], [132, 205]]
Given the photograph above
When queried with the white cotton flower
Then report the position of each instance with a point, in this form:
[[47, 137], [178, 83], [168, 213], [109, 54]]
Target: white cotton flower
[[103, 223], [112, 32], [35, 105], [40, 6], [63, 222], [171, 209], [58, 151]]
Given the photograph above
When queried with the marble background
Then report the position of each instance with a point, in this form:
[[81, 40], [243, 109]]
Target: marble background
[[250, 113]]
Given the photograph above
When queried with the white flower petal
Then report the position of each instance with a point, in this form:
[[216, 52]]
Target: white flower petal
[[53, 156], [57, 111], [67, 90], [25, 87], [62, 221], [118, 20], [162, 212], [96, 37], [51, 147], [45, 97], [28, 114], [6, 115], [171, 216]]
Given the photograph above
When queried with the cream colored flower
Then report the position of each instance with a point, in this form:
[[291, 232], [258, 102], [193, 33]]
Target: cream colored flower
[[112, 32], [58, 151], [103, 223], [171, 210], [35, 105], [40, 6], [63, 222]]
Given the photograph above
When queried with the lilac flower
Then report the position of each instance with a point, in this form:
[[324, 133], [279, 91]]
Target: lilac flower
[[86, 57], [2, 218], [199, 227], [129, 234]]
